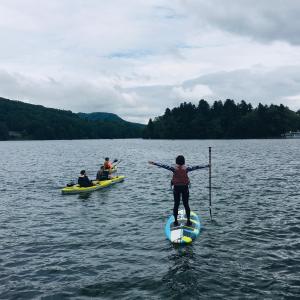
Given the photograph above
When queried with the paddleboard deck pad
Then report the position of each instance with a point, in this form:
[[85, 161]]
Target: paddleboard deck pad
[[182, 234]]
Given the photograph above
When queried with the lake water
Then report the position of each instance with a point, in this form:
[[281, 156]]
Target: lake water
[[110, 244]]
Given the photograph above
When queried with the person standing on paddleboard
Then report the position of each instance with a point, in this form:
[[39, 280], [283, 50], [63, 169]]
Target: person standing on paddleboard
[[181, 182]]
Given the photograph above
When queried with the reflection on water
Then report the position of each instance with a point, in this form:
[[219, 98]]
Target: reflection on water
[[84, 196]]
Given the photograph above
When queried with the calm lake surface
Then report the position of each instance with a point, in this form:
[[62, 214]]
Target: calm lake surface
[[110, 244]]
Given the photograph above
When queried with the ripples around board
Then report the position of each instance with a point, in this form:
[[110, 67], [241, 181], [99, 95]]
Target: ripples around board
[[110, 244]]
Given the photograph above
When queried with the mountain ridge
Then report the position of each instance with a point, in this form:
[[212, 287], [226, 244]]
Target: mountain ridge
[[24, 121], [105, 116]]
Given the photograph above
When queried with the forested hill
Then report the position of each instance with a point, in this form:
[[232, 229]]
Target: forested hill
[[19, 120], [223, 120], [104, 116], [100, 116]]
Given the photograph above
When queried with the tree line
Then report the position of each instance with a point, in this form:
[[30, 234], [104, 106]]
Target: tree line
[[223, 120], [19, 120]]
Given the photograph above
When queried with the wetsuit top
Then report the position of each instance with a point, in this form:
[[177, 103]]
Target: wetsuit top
[[180, 173], [84, 181]]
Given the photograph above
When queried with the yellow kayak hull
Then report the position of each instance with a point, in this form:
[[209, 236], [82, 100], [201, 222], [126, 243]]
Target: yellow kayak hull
[[76, 189]]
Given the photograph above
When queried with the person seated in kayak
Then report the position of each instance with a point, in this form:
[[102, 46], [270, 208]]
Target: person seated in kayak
[[83, 180], [181, 182], [102, 174], [107, 164]]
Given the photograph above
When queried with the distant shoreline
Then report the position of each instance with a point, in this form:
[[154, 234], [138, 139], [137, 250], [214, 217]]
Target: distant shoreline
[[145, 139]]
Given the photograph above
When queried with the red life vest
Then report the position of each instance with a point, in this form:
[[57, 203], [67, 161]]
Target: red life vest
[[180, 176]]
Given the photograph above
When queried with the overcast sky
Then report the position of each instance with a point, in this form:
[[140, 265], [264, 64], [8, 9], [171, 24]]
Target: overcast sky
[[135, 58]]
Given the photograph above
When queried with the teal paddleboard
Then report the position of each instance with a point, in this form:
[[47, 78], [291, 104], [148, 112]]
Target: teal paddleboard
[[182, 234]]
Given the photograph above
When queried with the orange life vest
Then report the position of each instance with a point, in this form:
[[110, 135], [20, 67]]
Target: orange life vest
[[107, 165]]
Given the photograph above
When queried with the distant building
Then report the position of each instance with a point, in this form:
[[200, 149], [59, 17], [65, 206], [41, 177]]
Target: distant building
[[15, 134], [291, 135]]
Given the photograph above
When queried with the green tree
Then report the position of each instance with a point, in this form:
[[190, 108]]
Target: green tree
[[4, 134]]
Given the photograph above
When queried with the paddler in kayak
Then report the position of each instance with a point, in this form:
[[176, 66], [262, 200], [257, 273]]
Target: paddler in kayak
[[181, 182], [107, 164], [83, 180], [102, 174], [105, 170]]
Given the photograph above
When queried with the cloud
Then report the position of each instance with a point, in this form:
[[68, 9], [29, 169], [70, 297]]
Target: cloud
[[280, 85], [139, 58], [85, 95], [264, 20], [67, 94], [256, 85]]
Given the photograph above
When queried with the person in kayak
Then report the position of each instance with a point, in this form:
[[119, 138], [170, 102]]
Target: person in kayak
[[181, 182], [83, 180], [107, 164], [102, 174]]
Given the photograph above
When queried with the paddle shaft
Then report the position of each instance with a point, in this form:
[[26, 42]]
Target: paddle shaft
[[209, 178]]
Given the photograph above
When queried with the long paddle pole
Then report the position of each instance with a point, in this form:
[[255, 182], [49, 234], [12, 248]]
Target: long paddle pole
[[209, 179]]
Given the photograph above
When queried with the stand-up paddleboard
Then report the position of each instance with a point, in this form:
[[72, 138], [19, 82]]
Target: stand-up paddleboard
[[182, 234]]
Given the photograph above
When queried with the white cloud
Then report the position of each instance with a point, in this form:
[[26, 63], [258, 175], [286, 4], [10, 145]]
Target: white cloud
[[192, 93], [138, 58]]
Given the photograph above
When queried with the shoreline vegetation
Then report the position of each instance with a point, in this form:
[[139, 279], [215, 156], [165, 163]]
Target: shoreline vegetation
[[221, 120]]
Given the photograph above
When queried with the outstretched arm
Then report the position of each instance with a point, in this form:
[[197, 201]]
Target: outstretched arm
[[193, 168], [162, 166]]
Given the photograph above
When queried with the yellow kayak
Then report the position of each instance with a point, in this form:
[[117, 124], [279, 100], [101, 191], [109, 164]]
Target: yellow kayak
[[76, 189]]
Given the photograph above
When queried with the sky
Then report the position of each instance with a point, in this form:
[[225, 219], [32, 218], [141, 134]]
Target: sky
[[136, 58]]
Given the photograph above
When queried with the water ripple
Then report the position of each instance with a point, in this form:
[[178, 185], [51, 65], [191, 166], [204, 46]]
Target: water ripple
[[110, 244]]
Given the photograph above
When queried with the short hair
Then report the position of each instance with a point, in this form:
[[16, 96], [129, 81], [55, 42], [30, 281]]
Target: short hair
[[180, 160], [107, 158], [82, 172]]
